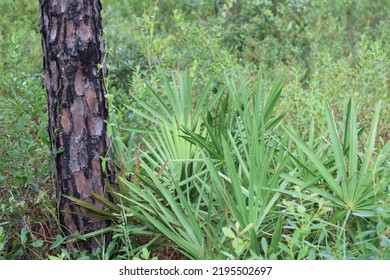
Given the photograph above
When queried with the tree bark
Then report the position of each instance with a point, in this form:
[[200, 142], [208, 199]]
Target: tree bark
[[73, 55]]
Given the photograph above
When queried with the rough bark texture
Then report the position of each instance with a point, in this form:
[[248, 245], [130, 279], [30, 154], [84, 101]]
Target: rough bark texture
[[73, 51]]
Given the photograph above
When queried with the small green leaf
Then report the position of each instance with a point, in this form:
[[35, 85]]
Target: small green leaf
[[65, 253], [303, 252], [23, 235], [228, 232], [239, 244], [59, 240], [385, 241], [145, 253], [37, 244], [301, 209]]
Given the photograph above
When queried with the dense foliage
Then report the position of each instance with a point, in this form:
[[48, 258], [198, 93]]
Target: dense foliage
[[242, 130]]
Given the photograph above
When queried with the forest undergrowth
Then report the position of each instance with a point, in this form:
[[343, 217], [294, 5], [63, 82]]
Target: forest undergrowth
[[240, 130]]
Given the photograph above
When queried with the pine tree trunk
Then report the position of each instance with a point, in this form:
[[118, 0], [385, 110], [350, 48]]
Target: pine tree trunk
[[73, 52]]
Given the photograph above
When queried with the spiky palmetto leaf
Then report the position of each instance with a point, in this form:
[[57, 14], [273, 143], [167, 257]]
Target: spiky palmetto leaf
[[349, 177]]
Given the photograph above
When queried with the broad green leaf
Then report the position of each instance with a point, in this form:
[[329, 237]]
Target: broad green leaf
[[228, 232], [37, 244], [59, 240]]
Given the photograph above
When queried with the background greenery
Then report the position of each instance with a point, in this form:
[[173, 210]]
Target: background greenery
[[241, 129]]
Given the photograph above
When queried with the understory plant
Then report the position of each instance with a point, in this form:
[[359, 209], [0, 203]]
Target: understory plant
[[214, 177], [347, 171], [209, 162]]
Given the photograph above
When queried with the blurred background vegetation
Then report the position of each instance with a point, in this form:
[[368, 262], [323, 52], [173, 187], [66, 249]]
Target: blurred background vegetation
[[324, 52]]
